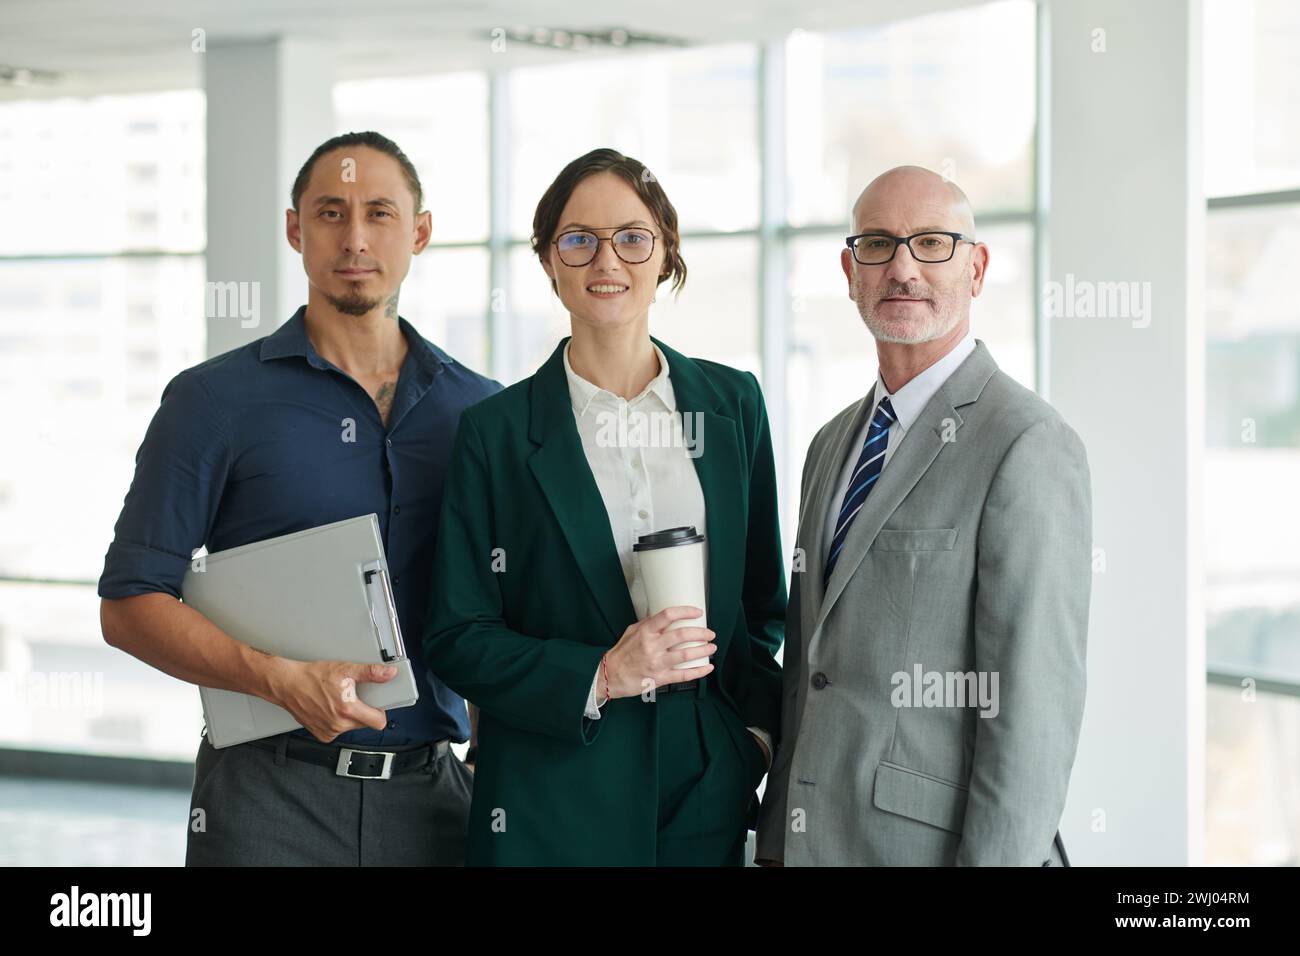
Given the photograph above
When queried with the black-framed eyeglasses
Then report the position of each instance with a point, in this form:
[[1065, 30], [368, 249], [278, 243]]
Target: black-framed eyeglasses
[[877, 248], [577, 247]]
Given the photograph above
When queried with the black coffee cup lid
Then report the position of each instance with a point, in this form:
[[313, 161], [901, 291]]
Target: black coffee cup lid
[[668, 539]]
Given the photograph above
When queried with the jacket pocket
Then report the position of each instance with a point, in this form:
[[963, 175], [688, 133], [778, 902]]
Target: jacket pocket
[[920, 539], [920, 796]]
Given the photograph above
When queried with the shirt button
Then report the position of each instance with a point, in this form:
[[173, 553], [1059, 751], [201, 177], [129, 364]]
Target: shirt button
[[397, 509], [643, 514]]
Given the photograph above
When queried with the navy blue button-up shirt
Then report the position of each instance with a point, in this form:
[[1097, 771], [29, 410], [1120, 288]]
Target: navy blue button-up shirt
[[251, 444]]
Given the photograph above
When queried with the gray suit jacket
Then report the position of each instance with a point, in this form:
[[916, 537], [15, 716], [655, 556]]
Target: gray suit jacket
[[972, 554]]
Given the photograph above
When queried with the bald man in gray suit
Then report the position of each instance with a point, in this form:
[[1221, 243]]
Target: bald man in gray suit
[[938, 616]]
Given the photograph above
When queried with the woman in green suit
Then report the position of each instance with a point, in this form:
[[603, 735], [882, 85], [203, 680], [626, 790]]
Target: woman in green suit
[[593, 746]]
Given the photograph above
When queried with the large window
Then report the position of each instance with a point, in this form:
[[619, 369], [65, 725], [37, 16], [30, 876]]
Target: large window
[[103, 175], [101, 279], [100, 288], [1252, 97], [953, 92], [1252, 456]]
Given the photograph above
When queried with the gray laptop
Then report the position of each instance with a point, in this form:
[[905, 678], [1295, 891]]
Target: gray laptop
[[319, 594]]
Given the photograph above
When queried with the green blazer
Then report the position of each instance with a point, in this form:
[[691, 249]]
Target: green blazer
[[528, 594]]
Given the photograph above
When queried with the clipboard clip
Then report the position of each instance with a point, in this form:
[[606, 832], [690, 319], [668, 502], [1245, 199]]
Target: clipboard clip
[[383, 611]]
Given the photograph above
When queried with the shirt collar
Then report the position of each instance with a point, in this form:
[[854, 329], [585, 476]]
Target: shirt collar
[[909, 400], [291, 339], [583, 393]]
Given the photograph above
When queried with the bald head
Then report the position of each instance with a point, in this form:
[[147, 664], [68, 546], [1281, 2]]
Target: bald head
[[912, 199]]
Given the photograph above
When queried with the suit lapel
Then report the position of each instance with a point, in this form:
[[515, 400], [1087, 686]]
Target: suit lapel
[[812, 531], [935, 427], [560, 467], [718, 466]]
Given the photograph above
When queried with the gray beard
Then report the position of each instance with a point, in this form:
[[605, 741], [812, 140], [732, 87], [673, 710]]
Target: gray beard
[[943, 325]]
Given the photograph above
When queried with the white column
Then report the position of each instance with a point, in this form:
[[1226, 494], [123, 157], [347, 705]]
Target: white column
[[499, 324], [1126, 218], [269, 104]]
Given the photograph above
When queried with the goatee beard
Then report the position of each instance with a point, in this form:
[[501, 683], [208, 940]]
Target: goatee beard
[[354, 303]]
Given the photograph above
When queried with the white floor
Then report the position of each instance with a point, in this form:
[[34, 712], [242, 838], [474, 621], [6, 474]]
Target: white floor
[[56, 823], [53, 823]]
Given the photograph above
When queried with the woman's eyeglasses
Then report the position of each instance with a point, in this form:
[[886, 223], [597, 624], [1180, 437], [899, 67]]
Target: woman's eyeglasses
[[578, 247]]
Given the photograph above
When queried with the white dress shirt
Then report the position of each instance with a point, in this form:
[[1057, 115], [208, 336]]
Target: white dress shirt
[[907, 403], [646, 485]]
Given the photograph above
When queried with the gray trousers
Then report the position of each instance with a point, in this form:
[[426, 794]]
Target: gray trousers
[[255, 807]]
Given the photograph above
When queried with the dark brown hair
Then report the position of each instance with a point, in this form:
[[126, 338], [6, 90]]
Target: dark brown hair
[[551, 206], [367, 138]]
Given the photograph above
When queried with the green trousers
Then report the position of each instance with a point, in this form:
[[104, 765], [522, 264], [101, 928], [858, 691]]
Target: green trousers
[[709, 767]]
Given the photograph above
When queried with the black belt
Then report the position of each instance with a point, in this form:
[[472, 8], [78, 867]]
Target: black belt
[[357, 762], [684, 685]]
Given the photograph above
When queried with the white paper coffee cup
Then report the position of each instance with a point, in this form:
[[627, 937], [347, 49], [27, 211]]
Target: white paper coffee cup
[[672, 566]]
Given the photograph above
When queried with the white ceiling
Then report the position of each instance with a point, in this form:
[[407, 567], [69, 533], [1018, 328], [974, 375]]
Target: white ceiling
[[102, 46]]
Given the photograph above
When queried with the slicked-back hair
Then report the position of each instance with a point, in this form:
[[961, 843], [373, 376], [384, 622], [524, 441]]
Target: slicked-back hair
[[376, 141]]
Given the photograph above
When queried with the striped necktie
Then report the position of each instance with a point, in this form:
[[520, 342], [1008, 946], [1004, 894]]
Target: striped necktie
[[870, 461]]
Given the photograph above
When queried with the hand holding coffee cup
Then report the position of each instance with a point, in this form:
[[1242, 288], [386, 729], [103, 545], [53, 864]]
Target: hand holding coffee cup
[[672, 567], [652, 649]]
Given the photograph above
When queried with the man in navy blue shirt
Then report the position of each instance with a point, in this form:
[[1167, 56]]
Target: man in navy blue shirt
[[344, 410]]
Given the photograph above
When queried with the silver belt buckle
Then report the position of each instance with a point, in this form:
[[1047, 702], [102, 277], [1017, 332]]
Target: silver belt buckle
[[345, 763]]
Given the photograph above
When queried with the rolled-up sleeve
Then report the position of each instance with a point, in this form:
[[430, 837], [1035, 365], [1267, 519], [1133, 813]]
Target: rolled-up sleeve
[[180, 471]]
